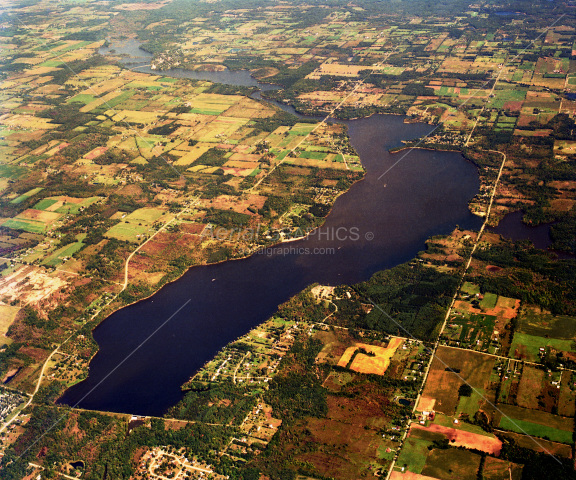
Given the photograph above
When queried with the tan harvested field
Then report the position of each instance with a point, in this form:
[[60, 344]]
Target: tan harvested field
[[530, 385], [442, 384], [238, 172], [376, 364], [340, 69], [462, 438], [245, 157], [7, 316], [237, 204], [241, 164], [426, 404], [193, 154]]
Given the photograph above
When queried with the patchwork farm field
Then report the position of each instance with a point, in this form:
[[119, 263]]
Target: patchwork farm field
[[420, 457], [481, 322], [138, 224], [450, 369]]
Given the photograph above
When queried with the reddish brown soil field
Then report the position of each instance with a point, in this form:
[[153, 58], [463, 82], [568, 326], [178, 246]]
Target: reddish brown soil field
[[37, 354], [493, 268], [192, 228], [462, 438], [409, 476]]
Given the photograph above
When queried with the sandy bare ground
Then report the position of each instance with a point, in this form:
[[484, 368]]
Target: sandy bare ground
[[31, 284]]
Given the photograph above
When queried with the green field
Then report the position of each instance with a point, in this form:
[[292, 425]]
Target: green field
[[533, 344], [117, 100], [14, 172], [25, 225], [414, 454], [136, 224], [452, 463], [26, 195], [470, 288], [127, 231], [205, 111], [148, 215], [540, 324], [470, 404], [313, 155], [57, 257], [535, 429], [81, 98], [301, 129], [74, 208], [489, 301], [51, 63], [45, 203]]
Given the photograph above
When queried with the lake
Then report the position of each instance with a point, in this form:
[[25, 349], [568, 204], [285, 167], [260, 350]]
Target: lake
[[379, 223]]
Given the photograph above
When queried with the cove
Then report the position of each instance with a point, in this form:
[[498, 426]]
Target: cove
[[382, 221]]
